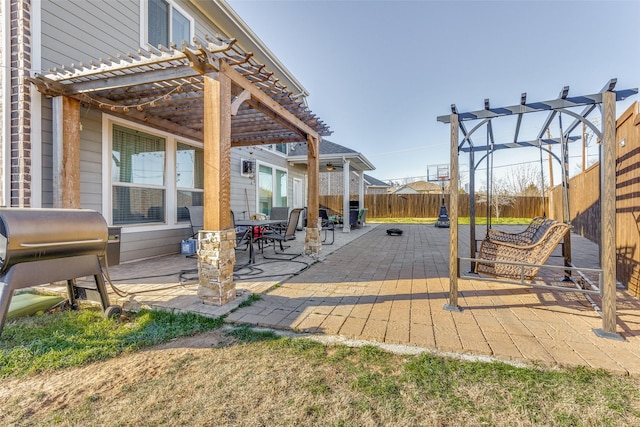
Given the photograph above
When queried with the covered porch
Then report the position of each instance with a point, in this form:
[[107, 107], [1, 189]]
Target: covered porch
[[334, 158]]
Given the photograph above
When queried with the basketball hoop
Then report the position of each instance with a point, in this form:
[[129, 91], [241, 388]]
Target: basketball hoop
[[440, 173]]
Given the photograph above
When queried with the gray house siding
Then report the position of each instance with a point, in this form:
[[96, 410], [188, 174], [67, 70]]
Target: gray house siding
[[76, 31], [91, 161]]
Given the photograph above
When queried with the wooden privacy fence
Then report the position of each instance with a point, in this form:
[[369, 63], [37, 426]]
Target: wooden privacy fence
[[428, 206], [584, 201]]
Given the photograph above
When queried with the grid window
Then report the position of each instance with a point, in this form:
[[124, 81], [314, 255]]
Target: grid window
[[166, 23], [137, 176]]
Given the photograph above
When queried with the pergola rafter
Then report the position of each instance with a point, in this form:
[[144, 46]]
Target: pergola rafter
[[172, 80]]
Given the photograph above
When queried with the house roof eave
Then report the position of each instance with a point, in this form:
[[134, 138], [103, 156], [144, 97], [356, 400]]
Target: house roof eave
[[221, 13]]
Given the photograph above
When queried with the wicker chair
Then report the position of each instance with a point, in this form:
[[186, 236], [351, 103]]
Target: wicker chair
[[543, 242]]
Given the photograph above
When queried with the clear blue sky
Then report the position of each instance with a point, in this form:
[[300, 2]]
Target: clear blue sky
[[380, 72]]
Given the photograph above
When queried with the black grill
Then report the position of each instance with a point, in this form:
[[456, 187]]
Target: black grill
[[39, 246]]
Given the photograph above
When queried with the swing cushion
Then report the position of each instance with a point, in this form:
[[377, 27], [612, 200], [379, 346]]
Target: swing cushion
[[538, 252]]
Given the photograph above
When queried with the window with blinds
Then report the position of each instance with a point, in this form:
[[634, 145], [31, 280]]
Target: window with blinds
[[137, 176]]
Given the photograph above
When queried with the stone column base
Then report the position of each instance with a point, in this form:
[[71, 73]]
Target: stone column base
[[216, 259], [312, 241]]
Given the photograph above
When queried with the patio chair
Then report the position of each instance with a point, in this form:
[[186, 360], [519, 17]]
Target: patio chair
[[196, 218], [289, 233], [243, 234], [280, 213], [327, 225]]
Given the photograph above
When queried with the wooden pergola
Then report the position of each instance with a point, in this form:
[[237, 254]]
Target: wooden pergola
[[211, 91], [606, 101]]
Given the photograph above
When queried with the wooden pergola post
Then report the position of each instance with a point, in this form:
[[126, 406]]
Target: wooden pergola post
[[453, 218], [216, 243], [608, 217], [217, 152], [312, 242], [66, 152]]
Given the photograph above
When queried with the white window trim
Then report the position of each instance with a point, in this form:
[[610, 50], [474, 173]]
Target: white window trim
[[171, 220], [273, 195], [174, 153], [144, 28]]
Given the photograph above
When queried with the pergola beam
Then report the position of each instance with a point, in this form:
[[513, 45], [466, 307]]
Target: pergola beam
[[554, 104], [267, 105], [533, 143], [130, 80], [563, 95], [52, 88], [263, 141], [523, 100], [611, 84]]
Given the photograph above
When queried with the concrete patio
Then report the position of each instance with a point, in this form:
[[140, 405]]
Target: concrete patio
[[370, 287]]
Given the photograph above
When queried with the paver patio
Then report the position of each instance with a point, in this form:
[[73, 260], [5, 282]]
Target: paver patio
[[392, 289]]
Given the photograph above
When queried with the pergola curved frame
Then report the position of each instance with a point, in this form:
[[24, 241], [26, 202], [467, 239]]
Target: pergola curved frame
[[605, 99]]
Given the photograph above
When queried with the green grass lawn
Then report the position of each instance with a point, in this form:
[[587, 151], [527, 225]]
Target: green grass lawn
[[261, 378], [37, 344]]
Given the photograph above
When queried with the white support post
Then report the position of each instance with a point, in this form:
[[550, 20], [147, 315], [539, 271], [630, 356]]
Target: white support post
[[361, 190], [346, 215]]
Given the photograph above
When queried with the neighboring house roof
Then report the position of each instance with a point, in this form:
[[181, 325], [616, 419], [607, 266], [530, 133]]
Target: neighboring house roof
[[417, 187], [373, 182], [330, 154], [425, 187], [405, 189]]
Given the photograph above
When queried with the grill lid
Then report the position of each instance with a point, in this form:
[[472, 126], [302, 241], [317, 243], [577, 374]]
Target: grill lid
[[28, 234]]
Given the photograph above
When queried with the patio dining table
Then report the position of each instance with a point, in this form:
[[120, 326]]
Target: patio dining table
[[253, 224]]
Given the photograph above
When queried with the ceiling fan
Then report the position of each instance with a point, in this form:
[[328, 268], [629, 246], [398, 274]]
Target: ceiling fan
[[331, 166]]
